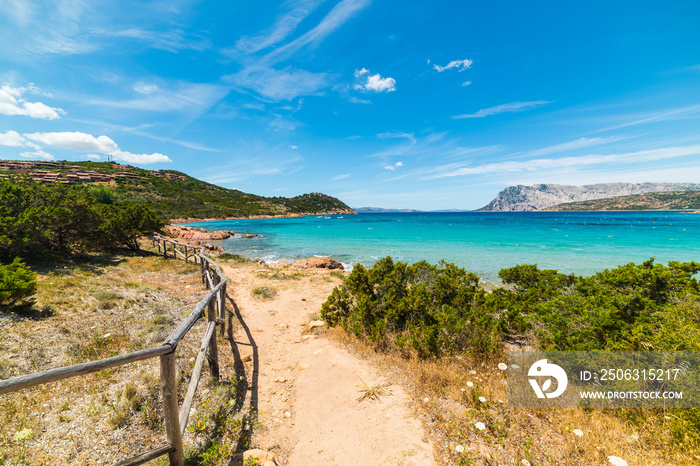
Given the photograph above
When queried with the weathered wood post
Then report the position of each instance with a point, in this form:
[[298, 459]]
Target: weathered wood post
[[204, 271], [222, 308], [213, 353], [168, 384]]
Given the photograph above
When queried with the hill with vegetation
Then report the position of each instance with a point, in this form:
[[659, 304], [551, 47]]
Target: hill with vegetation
[[172, 194], [678, 200]]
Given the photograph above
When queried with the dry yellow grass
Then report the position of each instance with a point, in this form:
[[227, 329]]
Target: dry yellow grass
[[462, 393], [87, 311]]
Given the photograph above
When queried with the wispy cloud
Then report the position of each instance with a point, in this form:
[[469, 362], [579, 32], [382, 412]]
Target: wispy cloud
[[190, 97], [576, 144], [398, 135], [11, 103], [460, 65], [172, 41], [14, 139], [84, 142], [341, 177], [681, 113], [284, 84], [504, 108], [284, 26], [550, 164], [356, 100]]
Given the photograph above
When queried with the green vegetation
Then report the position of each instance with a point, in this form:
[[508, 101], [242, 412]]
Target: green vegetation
[[184, 196], [53, 220], [17, 283], [677, 200]]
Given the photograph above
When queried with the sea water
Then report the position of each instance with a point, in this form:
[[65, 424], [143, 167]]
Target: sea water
[[482, 242]]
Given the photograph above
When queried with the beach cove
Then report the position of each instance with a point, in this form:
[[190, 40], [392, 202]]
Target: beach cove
[[482, 242]]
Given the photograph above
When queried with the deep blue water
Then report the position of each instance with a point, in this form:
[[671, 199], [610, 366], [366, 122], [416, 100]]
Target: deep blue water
[[481, 242]]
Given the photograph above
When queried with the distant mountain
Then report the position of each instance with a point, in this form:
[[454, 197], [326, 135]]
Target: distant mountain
[[381, 210], [172, 194], [676, 200], [542, 196]]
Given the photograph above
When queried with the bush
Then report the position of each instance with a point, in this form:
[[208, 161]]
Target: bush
[[422, 308], [17, 283]]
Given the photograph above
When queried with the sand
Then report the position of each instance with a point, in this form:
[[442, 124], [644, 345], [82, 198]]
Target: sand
[[304, 385]]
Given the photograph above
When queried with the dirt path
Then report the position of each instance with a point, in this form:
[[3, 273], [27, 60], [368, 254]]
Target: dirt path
[[305, 386]]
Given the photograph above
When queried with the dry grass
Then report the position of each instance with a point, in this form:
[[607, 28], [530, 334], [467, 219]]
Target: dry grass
[[97, 309], [373, 392], [454, 387]]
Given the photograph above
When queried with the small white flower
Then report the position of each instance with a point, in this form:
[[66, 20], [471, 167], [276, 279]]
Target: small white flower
[[525, 462], [426, 399], [502, 366], [470, 384], [462, 390], [23, 435], [106, 335], [472, 372], [617, 461], [500, 401], [480, 425], [578, 433], [482, 399], [459, 448]]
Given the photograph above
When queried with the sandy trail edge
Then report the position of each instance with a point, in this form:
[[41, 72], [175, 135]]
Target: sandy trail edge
[[327, 425]]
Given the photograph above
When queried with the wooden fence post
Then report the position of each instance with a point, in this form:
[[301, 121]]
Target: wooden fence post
[[213, 353], [168, 384], [222, 308]]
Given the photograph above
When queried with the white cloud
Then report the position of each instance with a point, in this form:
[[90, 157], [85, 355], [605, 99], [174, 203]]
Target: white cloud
[[293, 147], [94, 157], [393, 167], [140, 158], [539, 165], [341, 177], [172, 41], [11, 103], [505, 108], [461, 65], [580, 143], [375, 82], [12, 139], [89, 143], [359, 73], [466, 83], [76, 141], [40, 154]]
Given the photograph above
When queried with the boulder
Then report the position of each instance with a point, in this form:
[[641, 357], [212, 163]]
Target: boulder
[[317, 263]]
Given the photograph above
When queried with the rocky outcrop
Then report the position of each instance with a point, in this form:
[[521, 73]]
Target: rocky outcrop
[[196, 234], [542, 196], [311, 263]]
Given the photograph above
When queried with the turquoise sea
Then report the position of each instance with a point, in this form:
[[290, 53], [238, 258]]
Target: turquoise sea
[[481, 242]]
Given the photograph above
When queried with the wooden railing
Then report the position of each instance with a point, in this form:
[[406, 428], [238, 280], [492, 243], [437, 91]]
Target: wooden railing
[[175, 419]]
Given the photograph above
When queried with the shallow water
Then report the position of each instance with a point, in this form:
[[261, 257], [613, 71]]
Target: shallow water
[[481, 242]]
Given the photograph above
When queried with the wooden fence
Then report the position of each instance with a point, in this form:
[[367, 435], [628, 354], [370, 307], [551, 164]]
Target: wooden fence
[[175, 419]]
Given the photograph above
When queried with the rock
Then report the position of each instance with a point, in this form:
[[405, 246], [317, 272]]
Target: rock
[[314, 324], [269, 463], [251, 236], [302, 366], [246, 358], [255, 455], [281, 380], [318, 263], [287, 414]]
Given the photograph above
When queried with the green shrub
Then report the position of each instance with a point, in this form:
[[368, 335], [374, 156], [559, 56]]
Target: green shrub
[[17, 283], [422, 308]]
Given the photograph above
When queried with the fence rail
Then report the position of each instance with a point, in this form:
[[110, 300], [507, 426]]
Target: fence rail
[[176, 419]]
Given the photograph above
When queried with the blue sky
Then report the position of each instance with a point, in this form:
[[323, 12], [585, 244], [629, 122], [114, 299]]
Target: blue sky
[[413, 104]]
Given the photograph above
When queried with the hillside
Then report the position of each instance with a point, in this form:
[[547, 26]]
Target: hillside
[[542, 196], [173, 194], [677, 200]]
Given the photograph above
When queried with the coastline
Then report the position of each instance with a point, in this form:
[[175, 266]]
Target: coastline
[[256, 217]]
